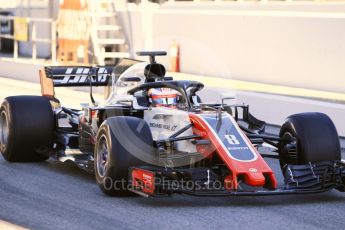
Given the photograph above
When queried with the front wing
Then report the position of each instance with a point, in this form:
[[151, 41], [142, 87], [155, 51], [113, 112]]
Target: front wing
[[298, 179]]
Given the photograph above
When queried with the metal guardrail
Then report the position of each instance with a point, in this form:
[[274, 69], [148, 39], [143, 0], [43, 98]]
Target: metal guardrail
[[32, 37]]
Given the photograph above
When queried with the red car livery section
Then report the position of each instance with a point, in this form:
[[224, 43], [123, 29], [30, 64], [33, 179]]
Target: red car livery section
[[235, 150], [143, 179]]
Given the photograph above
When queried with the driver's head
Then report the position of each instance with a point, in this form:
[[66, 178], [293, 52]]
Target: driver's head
[[163, 97]]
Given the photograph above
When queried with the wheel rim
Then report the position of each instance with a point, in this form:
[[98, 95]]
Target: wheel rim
[[102, 156], [3, 128], [290, 152]]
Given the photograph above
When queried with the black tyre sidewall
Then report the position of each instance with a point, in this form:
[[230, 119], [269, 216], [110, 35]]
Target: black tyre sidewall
[[115, 181], [31, 125], [112, 175], [316, 135]]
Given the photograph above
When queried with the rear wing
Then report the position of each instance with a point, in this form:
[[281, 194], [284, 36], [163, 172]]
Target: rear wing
[[68, 76], [77, 76]]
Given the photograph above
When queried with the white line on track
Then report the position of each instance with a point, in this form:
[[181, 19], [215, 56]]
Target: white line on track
[[9, 226]]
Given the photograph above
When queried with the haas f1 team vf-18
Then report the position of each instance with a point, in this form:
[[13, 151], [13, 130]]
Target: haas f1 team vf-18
[[154, 136]]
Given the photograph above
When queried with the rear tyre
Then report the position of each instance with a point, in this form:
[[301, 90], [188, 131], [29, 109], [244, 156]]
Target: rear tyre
[[121, 141], [26, 125], [313, 138]]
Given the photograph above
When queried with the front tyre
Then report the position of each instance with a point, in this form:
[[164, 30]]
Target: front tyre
[[312, 137], [122, 142]]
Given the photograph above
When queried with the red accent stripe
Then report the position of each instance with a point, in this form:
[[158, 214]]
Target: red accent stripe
[[237, 167]]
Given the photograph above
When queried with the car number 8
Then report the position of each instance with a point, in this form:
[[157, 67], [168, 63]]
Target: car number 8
[[232, 139]]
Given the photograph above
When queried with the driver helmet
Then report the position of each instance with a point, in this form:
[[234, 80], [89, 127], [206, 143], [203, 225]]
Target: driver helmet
[[163, 97]]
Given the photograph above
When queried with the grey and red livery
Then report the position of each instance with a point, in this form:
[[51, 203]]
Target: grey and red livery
[[196, 148]]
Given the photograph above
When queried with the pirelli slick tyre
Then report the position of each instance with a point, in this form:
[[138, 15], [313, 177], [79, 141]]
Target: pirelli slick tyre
[[122, 142], [313, 138], [26, 125]]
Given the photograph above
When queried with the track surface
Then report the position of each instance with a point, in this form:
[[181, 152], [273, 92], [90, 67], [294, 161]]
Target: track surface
[[53, 195]]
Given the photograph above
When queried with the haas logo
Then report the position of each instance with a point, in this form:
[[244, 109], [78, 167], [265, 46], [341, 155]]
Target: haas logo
[[82, 76]]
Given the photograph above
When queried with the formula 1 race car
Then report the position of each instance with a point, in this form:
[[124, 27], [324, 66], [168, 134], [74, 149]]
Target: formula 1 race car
[[165, 144]]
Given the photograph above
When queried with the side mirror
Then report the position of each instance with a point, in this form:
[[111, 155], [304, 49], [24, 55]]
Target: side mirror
[[228, 96]]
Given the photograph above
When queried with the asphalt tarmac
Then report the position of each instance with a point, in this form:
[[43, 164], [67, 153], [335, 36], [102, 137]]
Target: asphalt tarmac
[[53, 195]]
